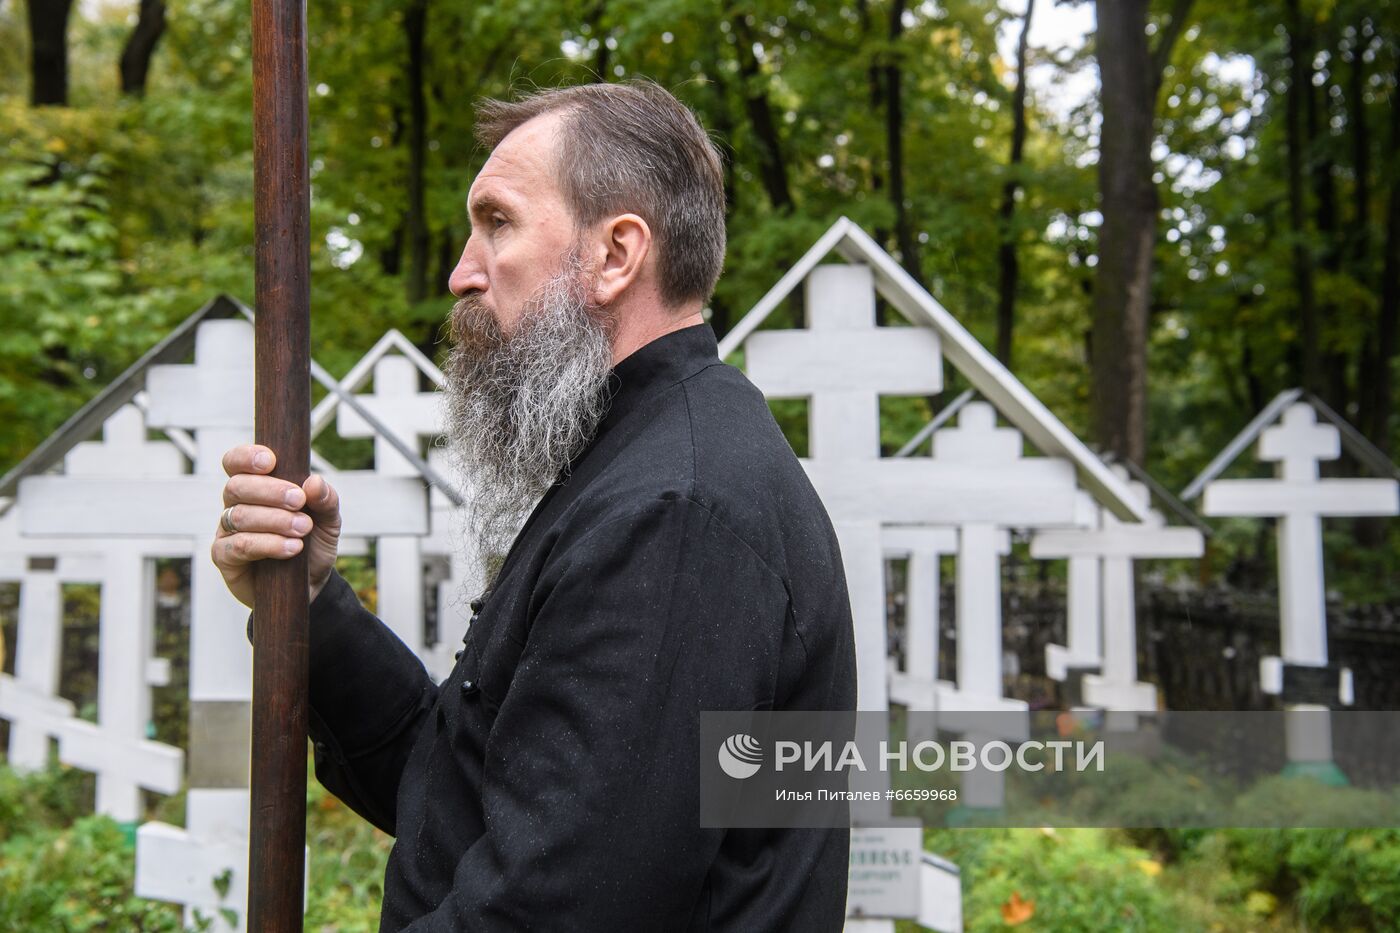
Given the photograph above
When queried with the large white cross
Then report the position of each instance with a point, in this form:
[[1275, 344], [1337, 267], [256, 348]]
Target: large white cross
[[842, 362], [1109, 548], [1299, 499], [832, 366]]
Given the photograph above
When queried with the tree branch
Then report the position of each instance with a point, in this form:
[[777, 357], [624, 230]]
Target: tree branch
[[1162, 54]]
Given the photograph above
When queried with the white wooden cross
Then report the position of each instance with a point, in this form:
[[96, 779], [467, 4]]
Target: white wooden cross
[[212, 398], [841, 363], [412, 415], [1299, 498], [1113, 545]]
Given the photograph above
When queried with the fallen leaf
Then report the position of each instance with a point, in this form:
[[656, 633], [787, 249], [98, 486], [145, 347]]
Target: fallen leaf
[[1017, 911]]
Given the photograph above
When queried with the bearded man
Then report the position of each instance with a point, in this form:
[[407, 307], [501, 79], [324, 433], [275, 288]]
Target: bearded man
[[651, 546]]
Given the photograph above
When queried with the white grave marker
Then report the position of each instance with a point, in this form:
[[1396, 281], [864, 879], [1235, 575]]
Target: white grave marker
[[1299, 499], [1112, 545]]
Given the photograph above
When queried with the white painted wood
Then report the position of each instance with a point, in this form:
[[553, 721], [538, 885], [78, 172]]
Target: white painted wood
[[1334, 498], [115, 749], [29, 700], [865, 581], [1300, 500], [982, 370], [216, 391], [1102, 611], [359, 374], [181, 865], [35, 715], [465, 582], [900, 360], [124, 450], [121, 766], [1034, 492], [940, 895], [843, 363], [413, 416]]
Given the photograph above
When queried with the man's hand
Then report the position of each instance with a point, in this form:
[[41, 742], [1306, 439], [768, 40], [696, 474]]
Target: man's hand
[[269, 522]]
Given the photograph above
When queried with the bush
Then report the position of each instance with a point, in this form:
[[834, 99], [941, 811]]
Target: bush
[[1062, 880], [50, 799], [74, 880]]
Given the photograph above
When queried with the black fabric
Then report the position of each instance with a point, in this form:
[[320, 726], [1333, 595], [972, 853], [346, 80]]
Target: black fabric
[[551, 782]]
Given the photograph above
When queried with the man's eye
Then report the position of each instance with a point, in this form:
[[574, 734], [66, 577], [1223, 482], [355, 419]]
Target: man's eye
[[497, 222]]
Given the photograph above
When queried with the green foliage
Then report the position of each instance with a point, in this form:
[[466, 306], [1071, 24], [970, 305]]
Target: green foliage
[[43, 801], [76, 879], [1061, 880], [348, 856]]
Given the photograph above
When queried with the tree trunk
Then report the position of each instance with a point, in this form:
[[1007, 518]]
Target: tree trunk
[[1319, 111], [140, 46], [1370, 354], [1128, 203], [1010, 269], [894, 144], [1130, 75], [772, 168], [1308, 354], [1388, 327], [415, 24], [48, 42], [876, 80], [595, 29]]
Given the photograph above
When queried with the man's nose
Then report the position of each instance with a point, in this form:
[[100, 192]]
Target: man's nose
[[469, 276]]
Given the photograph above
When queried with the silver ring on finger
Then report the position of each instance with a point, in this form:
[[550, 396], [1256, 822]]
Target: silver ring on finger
[[226, 521]]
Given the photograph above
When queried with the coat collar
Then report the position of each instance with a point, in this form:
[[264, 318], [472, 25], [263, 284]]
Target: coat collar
[[667, 360]]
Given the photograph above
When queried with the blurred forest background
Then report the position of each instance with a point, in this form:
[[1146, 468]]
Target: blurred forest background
[[1159, 213]]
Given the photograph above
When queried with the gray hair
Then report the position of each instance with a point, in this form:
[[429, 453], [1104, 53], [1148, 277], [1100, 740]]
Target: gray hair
[[632, 147]]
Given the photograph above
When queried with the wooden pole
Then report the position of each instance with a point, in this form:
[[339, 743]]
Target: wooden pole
[[281, 211]]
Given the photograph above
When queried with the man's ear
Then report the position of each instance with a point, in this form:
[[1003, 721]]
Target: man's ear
[[623, 244]]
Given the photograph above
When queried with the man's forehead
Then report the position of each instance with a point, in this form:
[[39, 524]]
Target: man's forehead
[[520, 164]]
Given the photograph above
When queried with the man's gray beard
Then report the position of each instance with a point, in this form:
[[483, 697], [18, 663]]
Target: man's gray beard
[[521, 407]]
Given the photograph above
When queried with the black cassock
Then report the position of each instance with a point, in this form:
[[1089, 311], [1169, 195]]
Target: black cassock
[[552, 781]]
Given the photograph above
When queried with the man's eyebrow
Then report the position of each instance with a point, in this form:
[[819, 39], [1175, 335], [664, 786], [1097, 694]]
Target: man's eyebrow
[[484, 204]]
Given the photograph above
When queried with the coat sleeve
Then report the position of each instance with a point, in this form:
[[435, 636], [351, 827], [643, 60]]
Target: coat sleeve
[[591, 776], [369, 697]]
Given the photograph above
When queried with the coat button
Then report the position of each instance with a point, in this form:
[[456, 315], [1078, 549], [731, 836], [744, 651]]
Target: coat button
[[457, 656], [469, 687], [477, 604]]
